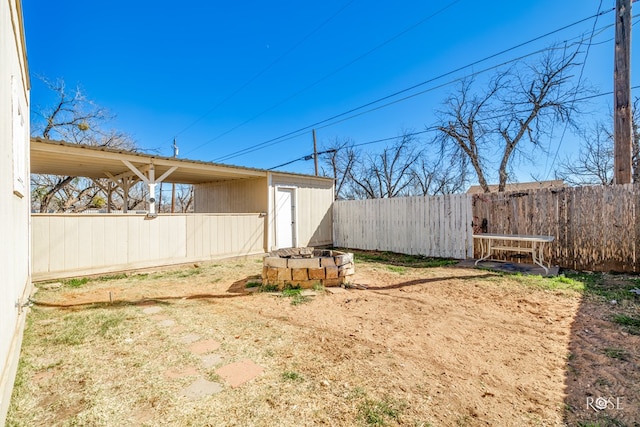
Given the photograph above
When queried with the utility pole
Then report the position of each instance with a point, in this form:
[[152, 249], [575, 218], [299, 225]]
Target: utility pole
[[173, 184], [622, 94], [315, 151]]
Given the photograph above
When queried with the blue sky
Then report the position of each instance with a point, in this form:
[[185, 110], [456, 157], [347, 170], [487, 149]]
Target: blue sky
[[224, 76]]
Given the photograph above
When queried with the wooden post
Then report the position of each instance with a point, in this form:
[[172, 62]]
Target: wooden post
[[173, 184], [622, 94], [315, 151]]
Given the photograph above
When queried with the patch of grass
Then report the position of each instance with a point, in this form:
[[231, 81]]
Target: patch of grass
[[291, 376], [73, 331], [189, 273], [300, 299], [269, 288], [295, 293], [252, 284], [109, 323], [615, 353], [78, 327], [111, 277], [602, 286], [463, 420], [318, 287], [401, 260], [562, 282], [396, 269], [630, 324], [76, 282], [379, 412], [291, 292]]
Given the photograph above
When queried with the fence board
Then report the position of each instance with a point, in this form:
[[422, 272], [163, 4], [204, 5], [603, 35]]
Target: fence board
[[596, 228], [430, 226]]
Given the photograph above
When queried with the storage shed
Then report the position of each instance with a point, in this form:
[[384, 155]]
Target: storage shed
[[238, 211]]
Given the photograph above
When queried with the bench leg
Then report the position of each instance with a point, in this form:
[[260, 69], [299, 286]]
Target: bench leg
[[537, 254], [485, 250]]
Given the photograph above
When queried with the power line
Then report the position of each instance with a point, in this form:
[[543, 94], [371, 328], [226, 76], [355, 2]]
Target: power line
[[268, 142], [317, 125], [566, 125], [265, 69], [330, 74], [430, 129]]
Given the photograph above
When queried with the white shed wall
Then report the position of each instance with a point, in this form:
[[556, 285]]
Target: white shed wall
[[15, 286], [243, 195], [313, 199]]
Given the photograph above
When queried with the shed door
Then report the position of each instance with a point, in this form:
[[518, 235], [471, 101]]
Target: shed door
[[285, 218]]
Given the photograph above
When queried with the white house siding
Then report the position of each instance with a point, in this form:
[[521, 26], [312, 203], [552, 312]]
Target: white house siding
[[15, 285], [313, 200]]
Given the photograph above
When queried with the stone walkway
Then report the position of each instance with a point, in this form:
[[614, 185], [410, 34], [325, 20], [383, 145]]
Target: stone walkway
[[233, 374]]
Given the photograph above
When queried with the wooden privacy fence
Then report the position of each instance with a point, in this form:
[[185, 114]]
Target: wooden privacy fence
[[431, 226], [67, 245], [595, 228]]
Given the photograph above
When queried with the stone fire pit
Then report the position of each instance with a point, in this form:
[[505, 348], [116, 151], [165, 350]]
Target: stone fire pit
[[307, 267]]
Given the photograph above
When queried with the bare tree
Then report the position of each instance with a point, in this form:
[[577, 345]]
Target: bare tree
[[387, 174], [516, 109], [184, 198], [437, 174], [339, 164], [594, 163], [73, 118]]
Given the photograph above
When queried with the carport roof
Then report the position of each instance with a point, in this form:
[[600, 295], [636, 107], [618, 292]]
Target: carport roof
[[66, 159]]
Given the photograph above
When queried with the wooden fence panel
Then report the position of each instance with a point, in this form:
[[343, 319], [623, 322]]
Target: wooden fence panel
[[595, 228], [430, 226]]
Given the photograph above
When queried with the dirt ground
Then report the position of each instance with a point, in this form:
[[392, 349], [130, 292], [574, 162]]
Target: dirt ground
[[441, 346]]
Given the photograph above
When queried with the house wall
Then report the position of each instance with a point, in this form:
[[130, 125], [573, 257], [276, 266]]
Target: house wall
[[15, 285], [67, 245], [313, 198]]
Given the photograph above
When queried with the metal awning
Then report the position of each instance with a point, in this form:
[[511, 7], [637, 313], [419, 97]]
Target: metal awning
[[65, 159], [126, 168]]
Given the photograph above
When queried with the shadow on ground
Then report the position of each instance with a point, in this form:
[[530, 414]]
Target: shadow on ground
[[603, 365]]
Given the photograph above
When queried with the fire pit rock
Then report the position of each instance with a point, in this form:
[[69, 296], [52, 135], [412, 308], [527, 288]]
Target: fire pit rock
[[307, 268]]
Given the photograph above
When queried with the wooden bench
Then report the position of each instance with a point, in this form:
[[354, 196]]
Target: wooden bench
[[507, 242]]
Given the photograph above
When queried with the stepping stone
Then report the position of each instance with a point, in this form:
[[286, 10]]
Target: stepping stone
[[189, 338], [239, 373], [189, 371], [154, 309], [167, 323], [204, 347], [201, 388], [211, 360]]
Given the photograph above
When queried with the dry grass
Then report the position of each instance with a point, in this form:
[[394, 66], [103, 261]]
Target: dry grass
[[425, 346]]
